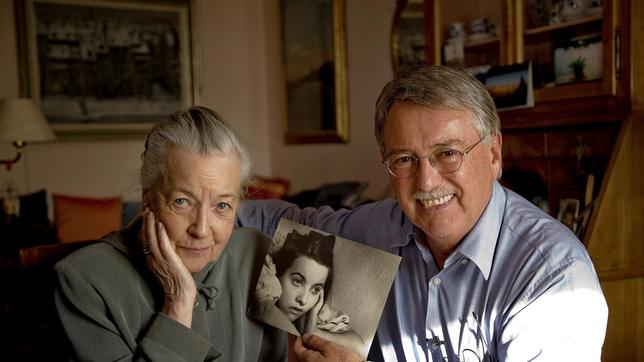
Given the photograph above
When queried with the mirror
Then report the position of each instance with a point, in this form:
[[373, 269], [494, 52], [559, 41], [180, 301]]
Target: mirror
[[408, 34], [314, 53]]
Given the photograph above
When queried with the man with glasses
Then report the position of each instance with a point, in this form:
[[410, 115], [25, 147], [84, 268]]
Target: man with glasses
[[485, 275]]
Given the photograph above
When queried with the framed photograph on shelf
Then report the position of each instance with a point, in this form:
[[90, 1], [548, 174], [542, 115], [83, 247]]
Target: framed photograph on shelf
[[578, 59], [315, 70], [569, 213], [510, 86], [100, 67]]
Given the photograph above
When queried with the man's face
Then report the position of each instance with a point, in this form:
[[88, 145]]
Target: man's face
[[196, 202], [444, 206]]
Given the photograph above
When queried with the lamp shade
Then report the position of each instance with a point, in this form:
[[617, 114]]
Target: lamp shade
[[22, 120]]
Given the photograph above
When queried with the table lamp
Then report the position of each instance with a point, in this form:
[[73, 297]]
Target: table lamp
[[21, 121]]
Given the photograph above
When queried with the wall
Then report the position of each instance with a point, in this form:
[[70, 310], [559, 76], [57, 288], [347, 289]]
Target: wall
[[369, 68], [241, 77]]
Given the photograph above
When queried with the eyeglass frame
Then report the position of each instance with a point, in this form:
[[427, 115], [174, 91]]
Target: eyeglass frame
[[431, 157]]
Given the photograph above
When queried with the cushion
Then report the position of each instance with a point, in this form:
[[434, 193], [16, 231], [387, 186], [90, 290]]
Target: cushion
[[267, 188], [83, 218]]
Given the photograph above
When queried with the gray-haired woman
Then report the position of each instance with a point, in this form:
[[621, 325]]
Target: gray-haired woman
[[174, 285]]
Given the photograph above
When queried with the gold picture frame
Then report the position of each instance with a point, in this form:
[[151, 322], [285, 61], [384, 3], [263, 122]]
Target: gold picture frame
[[105, 68], [315, 71]]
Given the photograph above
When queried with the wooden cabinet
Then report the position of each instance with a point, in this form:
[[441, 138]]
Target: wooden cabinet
[[590, 126], [518, 30], [551, 149]]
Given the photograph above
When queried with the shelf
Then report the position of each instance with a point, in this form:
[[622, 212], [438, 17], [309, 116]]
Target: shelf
[[566, 24], [563, 113], [480, 42]]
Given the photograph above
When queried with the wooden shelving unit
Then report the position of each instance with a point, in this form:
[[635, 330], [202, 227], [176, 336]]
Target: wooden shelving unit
[[576, 129]]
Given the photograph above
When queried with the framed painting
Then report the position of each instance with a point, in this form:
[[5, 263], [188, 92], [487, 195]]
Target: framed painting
[[314, 56], [408, 34], [101, 67]]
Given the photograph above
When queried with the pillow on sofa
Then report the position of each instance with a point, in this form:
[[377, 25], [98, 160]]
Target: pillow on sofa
[[266, 188], [84, 218]]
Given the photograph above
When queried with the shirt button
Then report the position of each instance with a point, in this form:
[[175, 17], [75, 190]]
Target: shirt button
[[463, 261], [436, 281]]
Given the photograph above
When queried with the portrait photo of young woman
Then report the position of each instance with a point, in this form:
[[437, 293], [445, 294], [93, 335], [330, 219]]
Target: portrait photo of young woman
[[300, 290]]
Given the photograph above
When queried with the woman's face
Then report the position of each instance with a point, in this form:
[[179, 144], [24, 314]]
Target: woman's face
[[302, 287], [196, 202]]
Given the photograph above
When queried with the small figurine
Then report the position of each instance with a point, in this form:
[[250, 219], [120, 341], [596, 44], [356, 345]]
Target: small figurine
[[555, 13]]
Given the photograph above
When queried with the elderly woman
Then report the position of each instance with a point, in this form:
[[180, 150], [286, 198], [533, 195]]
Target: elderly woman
[[174, 285]]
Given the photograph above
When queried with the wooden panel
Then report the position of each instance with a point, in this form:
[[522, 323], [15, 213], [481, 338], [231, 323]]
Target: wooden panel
[[597, 140], [579, 113], [625, 331], [523, 144], [616, 229]]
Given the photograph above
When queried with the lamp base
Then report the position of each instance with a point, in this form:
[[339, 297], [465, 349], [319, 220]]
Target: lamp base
[[11, 203]]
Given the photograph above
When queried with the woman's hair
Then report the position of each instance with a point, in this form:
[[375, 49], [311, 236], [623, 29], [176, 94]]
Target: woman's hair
[[313, 245], [440, 87], [197, 129]]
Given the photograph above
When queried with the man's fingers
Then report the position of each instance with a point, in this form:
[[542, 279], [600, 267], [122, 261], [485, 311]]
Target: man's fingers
[[314, 342], [305, 353], [298, 347]]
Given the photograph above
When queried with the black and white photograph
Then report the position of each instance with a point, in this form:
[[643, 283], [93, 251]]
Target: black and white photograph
[[314, 282]]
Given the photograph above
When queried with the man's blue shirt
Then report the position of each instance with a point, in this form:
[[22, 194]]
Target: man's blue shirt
[[519, 287]]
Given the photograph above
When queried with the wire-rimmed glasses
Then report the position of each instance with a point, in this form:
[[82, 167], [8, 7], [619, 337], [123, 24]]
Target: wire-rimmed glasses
[[444, 160]]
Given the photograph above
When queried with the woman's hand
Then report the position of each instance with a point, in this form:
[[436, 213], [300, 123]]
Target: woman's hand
[[312, 316], [177, 282]]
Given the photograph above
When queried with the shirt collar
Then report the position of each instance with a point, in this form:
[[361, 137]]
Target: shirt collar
[[480, 244]]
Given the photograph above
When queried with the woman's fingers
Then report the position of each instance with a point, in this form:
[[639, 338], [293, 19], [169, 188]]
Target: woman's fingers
[[151, 240], [175, 278]]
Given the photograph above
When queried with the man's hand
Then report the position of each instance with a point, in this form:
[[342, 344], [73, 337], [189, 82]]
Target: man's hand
[[311, 348], [177, 282]]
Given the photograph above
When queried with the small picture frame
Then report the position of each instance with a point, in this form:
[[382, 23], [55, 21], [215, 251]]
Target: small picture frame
[[569, 213], [578, 59], [511, 86]]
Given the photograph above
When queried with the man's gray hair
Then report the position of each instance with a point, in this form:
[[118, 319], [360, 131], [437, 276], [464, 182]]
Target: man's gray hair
[[197, 129], [439, 87]]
